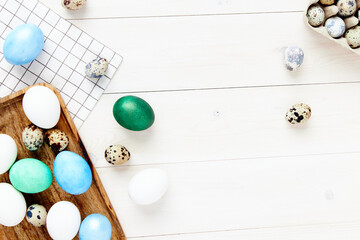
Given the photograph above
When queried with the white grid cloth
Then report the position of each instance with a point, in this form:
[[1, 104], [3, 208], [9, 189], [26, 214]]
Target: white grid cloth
[[66, 52]]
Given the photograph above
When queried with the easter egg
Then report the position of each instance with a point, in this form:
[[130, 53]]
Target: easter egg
[[23, 44], [315, 15], [8, 152], [30, 175], [96, 68], [41, 107], [346, 7], [353, 37], [36, 215], [148, 186], [33, 137], [95, 227], [133, 113], [72, 172], [293, 58], [335, 27], [63, 221], [298, 113], [12, 205]]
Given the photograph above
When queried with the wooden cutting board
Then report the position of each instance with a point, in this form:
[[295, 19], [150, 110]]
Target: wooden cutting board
[[95, 200]]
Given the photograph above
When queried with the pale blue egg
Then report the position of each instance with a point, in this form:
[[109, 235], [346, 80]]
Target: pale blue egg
[[335, 26], [72, 173], [293, 57], [95, 227], [23, 44]]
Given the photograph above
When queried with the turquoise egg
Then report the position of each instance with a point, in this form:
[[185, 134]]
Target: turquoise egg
[[72, 173], [23, 44], [30, 175], [95, 227]]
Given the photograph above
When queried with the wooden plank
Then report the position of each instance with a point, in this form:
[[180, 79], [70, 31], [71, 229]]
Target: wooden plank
[[94, 200], [218, 51], [348, 231], [141, 8], [230, 124], [243, 194]]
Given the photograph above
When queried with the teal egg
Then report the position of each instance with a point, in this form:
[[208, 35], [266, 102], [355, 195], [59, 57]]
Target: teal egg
[[30, 175], [72, 172], [133, 113]]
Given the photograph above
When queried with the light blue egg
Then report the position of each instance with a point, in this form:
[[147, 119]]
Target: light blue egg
[[23, 44], [294, 57], [72, 172], [335, 26], [95, 227]]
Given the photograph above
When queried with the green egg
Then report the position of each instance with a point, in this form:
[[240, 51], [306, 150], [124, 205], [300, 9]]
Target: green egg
[[133, 113], [30, 175]]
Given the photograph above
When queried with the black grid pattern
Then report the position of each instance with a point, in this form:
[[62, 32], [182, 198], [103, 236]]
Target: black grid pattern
[[66, 51]]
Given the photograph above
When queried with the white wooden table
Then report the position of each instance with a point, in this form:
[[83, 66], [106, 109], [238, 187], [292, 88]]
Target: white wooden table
[[212, 71]]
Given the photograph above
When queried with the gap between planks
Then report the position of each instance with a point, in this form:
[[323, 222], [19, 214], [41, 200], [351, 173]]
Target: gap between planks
[[229, 88], [229, 159], [183, 15], [275, 228]]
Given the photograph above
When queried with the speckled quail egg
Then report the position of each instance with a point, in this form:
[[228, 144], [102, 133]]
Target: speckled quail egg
[[352, 36], [346, 7], [117, 154], [298, 113], [56, 139], [293, 58], [96, 68], [73, 4], [315, 15], [335, 26], [36, 215], [327, 2], [32, 137]]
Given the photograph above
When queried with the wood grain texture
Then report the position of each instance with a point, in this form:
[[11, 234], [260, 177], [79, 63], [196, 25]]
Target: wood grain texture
[[243, 194], [230, 154], [219, 52], [141, 8], [95, 200], [214, 125]]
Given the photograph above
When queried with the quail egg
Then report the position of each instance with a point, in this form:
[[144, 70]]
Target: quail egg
[[73, 4], [298, 113], [32, 137], [293, 57], [315, 15], [346, 7], [56, 139], [36, 215], [353, 37], [327, 2], [335, 26], [117, 154], [96, 68]]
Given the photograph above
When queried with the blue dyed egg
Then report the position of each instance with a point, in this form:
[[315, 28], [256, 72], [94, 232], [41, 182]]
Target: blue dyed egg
[[293, 57], [72, 173], [335, 26], [23, 44], [95, 227]]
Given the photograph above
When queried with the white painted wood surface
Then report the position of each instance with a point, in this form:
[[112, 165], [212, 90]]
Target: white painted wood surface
[[212, 71]]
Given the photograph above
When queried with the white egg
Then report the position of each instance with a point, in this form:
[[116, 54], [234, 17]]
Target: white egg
[[12, 205], [63, 221], [41, 107], [8, 152], [148, 186]]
